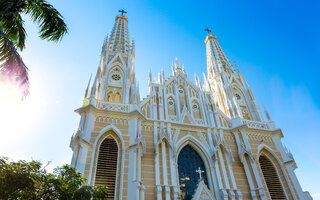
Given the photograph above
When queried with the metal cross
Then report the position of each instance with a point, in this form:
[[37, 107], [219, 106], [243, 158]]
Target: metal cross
[[208, 30], [200, 172], [122, 11]]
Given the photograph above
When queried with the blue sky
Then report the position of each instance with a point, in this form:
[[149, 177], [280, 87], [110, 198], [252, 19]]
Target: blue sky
[[275, 43]]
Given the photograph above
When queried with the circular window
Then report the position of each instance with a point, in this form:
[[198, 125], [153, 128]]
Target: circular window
[[238, 96], [181, 91], [170, 103], [195, 106], [115, 77]]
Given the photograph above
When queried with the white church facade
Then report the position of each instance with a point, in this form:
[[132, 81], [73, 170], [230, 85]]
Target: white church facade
[[184, 140]]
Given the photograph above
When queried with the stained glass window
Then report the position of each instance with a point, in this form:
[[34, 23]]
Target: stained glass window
[[188, 162]]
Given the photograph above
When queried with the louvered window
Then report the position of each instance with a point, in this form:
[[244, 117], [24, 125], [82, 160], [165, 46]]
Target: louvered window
[[107, 165], [271, 178]]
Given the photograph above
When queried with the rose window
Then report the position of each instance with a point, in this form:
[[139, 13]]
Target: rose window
[[115, 77]]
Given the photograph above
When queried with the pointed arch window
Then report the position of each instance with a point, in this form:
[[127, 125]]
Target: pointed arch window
[[242, 104], [110, 97], [171, 106], [196, 110], [182, 97], [106, 171], [188, 162], [117, 98], [271, 178]]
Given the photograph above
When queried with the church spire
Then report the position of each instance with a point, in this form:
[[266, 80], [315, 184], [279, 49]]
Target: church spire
[[119, 38], [217, 61]]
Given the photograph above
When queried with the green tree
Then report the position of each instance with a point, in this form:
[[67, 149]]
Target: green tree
[[69, 181], [29, 180], [13, 36], [100, 192]]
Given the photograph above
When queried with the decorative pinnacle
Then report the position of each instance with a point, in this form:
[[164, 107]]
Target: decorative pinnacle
[[208, 30], [122, 11]]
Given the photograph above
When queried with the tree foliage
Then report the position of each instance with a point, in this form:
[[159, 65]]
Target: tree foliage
[[29, 180], [13, 36]]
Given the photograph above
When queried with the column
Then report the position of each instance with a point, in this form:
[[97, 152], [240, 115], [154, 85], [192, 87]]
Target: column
[[164, 170]]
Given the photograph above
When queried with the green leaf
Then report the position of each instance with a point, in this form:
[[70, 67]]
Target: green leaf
[[52, 26]]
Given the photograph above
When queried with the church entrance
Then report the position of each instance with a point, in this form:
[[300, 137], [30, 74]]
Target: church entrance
[[191, 168]]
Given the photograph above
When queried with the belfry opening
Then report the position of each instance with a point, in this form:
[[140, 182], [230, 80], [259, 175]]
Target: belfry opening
[[271, 178], [189, 162], [106, 172]]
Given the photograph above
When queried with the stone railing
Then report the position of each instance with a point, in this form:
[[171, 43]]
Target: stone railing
[[256, 124], [113, 106]]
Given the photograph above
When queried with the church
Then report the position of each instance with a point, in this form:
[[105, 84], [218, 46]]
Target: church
[[184, 140]]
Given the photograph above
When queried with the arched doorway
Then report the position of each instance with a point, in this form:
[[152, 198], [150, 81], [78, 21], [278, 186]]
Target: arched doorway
[[106, 172], [271, 178], [188, 162]]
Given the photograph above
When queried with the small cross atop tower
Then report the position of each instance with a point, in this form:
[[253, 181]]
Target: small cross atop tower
[[208, 30], [122, 11], [200, 172]]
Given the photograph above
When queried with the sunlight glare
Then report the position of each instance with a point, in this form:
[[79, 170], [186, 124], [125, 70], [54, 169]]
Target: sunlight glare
[[18, 117]]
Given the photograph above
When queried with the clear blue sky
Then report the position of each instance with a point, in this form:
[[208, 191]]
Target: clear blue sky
[[275, 43]]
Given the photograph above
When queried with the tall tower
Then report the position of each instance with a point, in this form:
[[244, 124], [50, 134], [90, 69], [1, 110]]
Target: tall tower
[[230, 89], [184, 140], [114, 88], [115, 78]]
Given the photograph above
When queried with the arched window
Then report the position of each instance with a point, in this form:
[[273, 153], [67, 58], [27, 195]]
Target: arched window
[[271, 178], [117, 98], [110, 97], [196, 110], [188, 162], [242, 104], [171, 106], [182, 97], [106, 172]]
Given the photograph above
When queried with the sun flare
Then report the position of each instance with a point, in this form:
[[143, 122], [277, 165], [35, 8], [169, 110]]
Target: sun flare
[[18, 117]]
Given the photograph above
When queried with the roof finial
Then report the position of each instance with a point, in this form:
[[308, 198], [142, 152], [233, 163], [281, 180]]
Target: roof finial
[[176, 62], [208, 30], [122, 11], [266, 111]]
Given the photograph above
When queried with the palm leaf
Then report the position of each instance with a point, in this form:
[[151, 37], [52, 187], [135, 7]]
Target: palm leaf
[[52, 26], [13, 27], [11, 21], [12, 68]]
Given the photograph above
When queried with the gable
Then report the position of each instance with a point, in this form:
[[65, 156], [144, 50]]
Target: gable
[[202, 192]]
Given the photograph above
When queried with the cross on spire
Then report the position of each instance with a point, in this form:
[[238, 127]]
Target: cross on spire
[[208, 30], [122, 11], [200, 172]]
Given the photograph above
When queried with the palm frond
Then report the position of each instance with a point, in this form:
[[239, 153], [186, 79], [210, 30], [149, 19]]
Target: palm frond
[[13, 26], [12, 68], [9, 7], [52, 26]]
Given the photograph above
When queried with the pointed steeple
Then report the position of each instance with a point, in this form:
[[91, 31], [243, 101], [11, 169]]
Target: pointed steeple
[[217, 61], [119, 38]]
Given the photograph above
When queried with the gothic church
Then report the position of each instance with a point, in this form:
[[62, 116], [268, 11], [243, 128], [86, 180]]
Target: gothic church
[[184, 140]]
